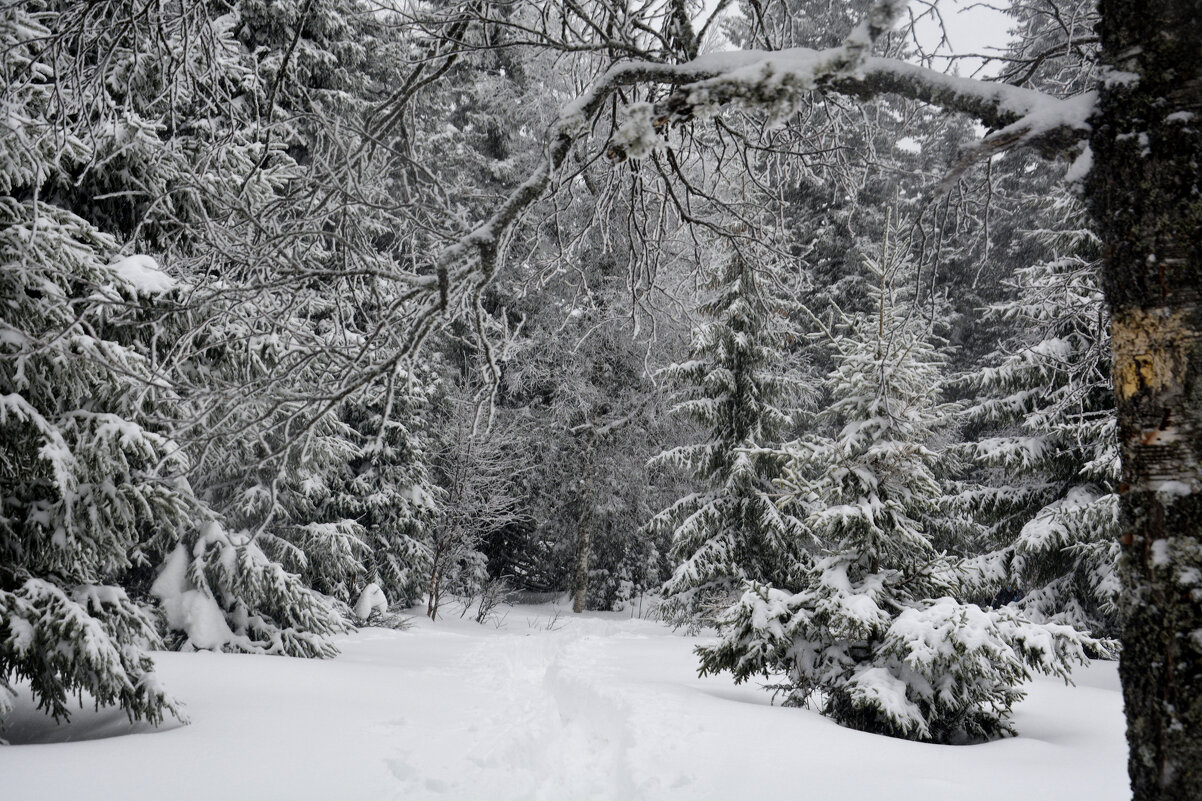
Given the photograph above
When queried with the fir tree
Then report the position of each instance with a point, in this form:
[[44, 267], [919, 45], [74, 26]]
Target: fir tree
[[734, 387], [87, 477], [868, 624], [1048, 451]]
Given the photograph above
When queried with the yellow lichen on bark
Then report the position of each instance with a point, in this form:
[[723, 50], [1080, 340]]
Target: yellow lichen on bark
[[1150, 347]]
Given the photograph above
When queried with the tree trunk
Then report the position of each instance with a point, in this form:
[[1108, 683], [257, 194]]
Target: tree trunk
[[1145, 195], [584, 525], [435, 597], [584, 533], [584, 547]]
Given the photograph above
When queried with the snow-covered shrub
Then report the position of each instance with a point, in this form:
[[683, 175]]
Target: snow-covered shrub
[[938, 670], [475, 470]]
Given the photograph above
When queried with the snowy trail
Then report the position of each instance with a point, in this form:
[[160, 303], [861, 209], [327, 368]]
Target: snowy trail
[[602, 707], [555, 733], [557, 726]]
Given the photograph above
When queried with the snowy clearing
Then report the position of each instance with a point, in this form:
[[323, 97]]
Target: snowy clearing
[[594, 706]]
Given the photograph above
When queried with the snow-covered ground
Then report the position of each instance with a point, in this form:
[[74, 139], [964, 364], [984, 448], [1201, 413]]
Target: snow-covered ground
[[598, 706]]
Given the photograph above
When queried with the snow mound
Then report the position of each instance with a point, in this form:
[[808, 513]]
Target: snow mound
[[187, 608], [372, 599]]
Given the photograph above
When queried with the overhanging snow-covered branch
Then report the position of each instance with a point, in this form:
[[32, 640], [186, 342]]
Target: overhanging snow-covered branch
[[764, 78], [772, 81]]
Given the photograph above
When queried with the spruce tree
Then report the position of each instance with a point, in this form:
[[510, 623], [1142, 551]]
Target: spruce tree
[[736, 389], [93, 487], [86, 474], [315, 466], [869, 625], [127, 137], [1040, 410], [1046, 493], [387, 491]]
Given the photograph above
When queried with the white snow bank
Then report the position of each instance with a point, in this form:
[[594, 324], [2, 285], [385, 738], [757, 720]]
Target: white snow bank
[[576, 707]]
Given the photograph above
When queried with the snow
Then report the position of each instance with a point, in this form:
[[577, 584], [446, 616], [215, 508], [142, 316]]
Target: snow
[[143, 275], [882, 689], [542, 706], [1168, 486], [1161, 557], [779, 73], [636, 135], [1039, 112], [1078, 171], [372, 599], [187, 608]]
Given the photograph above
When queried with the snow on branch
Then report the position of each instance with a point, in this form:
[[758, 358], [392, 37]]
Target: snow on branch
[[766, 80], [775, 80]]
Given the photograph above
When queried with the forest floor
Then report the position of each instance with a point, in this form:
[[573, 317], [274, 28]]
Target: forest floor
[[539, 705]]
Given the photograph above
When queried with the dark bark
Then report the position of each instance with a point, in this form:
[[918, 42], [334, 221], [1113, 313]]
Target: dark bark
[[1145, 195], [584, 526], [584, 551]]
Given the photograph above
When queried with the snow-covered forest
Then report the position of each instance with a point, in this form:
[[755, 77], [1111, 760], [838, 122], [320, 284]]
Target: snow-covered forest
[[602, 398]]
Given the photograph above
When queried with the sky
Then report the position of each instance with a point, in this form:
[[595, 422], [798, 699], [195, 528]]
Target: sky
[[972, 27]]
